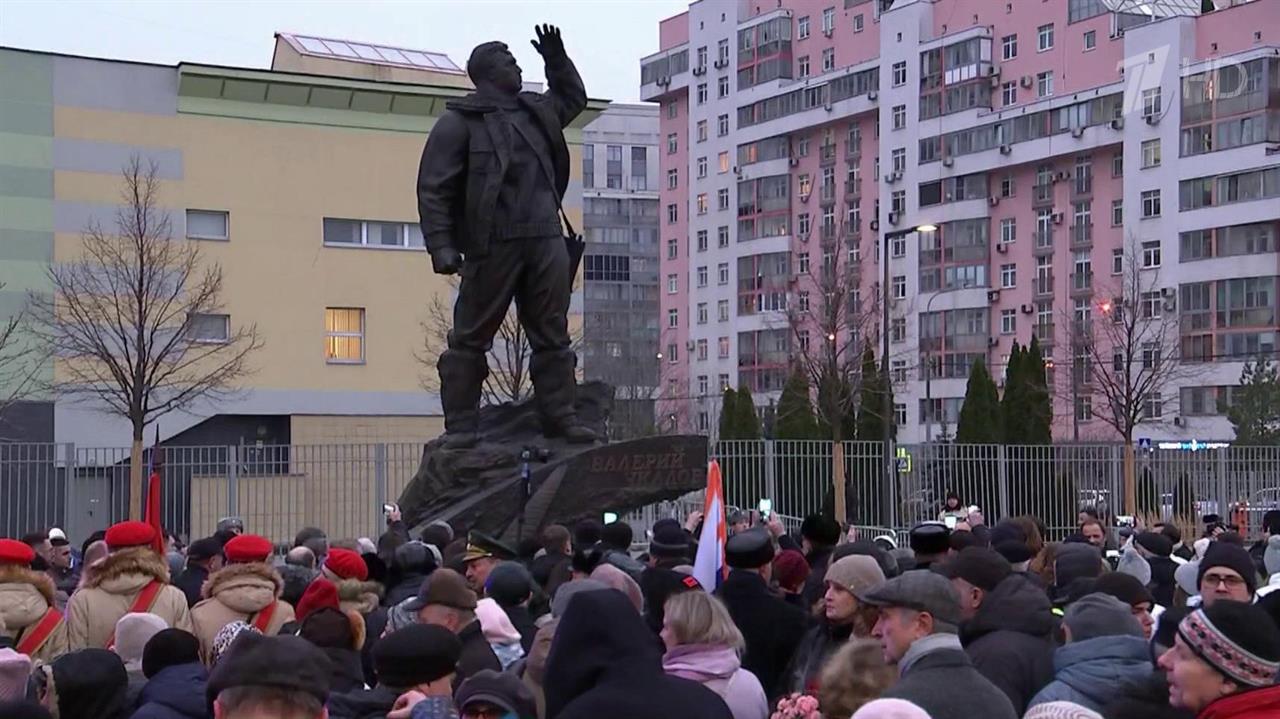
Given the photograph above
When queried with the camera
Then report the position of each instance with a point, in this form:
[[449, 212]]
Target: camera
[[534, 453]]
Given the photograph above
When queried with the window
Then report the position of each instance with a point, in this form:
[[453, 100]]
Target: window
[[702, 166], [1090, 40], [829, 59], [722, 125], [1084, 408], [1117, 213], [701, 130], [673, 214], [1151, 253], [804, 185], [899, 116], [857, 23], [1150, 355], [803, 265], [722, 51], [1044, 37], [802, 147], [702, 93], [344, 335], [803, 299], [1044, 84], [673, 248], [898, 202], [828, 20], [722, 236], [899, 414], [1008, 230], [607, 268], [722, 273], [702, 240], [702, 275], [1008, 276], [898, 247], [672, 144], [701, 201], [673, 110], [702, 344], [1008, 322], [898, 159], [899, 287], [722, 198], [209, 329], [1150, 303], [704, 384], [701, 58], [1150, 203], [802, 66], [673, 321], [673, 356], [372, 234], [722, 86], [702, 315], [673, 179], [722, 345], [1009, 94], [723, 162], [1117, 261], [898, 329], [804, 224], [899, 74], [207, 225], [1117, 165], [1007, 186], [1151, 153], [589, 162], [722, 311], [673, 284], [1151, 102], [802, 28], [1008, 47], [1152, 407]]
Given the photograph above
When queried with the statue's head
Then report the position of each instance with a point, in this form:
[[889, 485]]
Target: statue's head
[[493, 67]]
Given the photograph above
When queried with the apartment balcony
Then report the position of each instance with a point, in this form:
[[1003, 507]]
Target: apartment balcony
[[1043, 285], [827, 193], [1044, 332], [1042, 242], [1082, 236], [1042, 194], [827, 233], [852, 153], [1082, 283], [853, 188], [1082, 186], [827, 154]]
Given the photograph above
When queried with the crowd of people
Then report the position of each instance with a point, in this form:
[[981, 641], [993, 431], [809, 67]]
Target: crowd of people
[[968, 620]]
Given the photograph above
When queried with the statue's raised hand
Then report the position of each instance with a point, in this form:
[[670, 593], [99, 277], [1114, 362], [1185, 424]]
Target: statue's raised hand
[[548, 44]]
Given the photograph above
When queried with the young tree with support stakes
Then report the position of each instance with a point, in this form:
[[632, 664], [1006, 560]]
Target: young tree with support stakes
[[1133, 357], [136, 321]]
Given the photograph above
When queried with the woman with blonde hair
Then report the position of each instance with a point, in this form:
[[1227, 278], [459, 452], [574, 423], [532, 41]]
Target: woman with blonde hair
[[705, 646], [853, 676]]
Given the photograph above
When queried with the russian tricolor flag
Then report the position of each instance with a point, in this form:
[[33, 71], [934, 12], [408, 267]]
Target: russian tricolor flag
[[709, 567]]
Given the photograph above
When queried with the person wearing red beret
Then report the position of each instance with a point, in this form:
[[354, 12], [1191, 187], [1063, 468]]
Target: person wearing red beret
[[131, 578], [246, 590], [348, 570], [27, 608]]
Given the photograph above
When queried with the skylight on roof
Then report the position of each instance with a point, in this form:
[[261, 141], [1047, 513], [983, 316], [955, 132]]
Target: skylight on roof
[[369, 52]]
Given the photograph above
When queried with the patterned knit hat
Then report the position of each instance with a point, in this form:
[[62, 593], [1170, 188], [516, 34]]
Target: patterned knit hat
[[1239, 640], [225, 637], [1060, 710]]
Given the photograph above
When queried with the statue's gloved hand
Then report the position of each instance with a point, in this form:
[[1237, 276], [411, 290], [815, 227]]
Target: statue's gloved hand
[[446, 261], [549, 45]]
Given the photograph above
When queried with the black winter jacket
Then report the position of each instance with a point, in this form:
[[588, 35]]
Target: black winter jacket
[[1010, 639], [806, 665], [771, 627], [175, 692], [476, 653], [604, 662], [945, 685], [362, 704]]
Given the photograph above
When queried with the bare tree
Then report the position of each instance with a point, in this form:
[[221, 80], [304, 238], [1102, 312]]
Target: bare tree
[[508, 358], [136, 322], [19, 365], [1128, 357]]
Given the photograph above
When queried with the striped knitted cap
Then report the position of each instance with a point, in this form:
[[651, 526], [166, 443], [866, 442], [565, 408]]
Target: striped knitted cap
[[1239, 640]]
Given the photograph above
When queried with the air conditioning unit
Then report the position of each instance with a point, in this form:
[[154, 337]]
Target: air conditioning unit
[[893, 177], [993, 341], [1117, 124], [873, 95], [664, 81], [993, 71], [827, 106], [737, 171], [700, 70], [1063, 176], [1151, 118], [1170, 304], [828, 32], [1028, 309], [1002, 248], [1077, 132], [794, 162], [804, 197], [875, 225], [722, 64], [690, 345], [993, 295], [948, 162], [995, 82], [893, 218], [1026, 81], [1178, 422], [1056, 217], [804, 238], [1006, 149], [993, 200]]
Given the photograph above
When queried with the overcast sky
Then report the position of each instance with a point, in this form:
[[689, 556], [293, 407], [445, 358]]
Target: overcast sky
[[606, 38]]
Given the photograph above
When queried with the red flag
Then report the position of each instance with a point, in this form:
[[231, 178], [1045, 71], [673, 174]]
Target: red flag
[[151, 508]]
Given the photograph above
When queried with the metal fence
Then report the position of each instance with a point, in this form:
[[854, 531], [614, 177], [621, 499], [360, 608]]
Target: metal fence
[[279, 489]]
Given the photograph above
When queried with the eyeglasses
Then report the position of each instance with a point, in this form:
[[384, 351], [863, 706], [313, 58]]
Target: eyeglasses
[[1230, 581]]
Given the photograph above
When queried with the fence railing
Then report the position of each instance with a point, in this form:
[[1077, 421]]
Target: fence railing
[[278, 489]]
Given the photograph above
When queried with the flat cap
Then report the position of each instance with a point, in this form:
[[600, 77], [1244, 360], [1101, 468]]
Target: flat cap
[[245, 548], [481, 545], [983, 568], [130, 534], [284, 662], [203, 549], [416, 654], [750, 549], [446, 588], [922, 591], [1155, 542]]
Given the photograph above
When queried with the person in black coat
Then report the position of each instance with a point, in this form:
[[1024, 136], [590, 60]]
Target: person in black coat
[[511, 586], [176, 678], [447, 601], [819, 535], [411, 563], [204, 557], [771, 627], [419, 657], [1008, 623], [604, 662]]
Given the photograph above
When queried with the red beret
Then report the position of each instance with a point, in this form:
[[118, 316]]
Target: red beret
[[130, 534], [247, 548], [320, 594], [346, 564], [14, 552]]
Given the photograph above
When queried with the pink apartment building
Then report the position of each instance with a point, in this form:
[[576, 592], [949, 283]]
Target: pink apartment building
[[1016, 156]]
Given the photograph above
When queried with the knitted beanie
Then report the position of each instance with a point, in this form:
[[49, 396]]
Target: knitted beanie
[[133, 631], [14, 670], [1271, 557], [1060, 710], [1220, 554], [1239, 640], [890, 709]]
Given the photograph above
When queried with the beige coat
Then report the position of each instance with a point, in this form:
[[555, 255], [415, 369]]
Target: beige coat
[[25, 596], [108, 591], [234, 594]]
